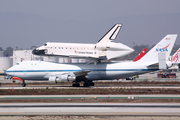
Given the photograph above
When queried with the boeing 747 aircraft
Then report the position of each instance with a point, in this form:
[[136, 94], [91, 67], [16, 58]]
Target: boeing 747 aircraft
[[104, 49], [75, 73]]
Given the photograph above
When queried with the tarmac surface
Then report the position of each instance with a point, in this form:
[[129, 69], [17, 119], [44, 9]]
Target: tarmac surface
[[92, 87], [90, 109], [95, 109], [17, 97]]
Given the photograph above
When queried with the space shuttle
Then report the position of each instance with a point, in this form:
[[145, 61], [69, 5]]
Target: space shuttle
[[104, 49]]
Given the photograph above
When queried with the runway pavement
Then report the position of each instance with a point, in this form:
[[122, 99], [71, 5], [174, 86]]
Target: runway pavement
[[96, 109], [17, 97], [92, 87]]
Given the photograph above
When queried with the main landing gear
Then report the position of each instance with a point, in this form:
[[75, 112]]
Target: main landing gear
[[86, 84], [23, 84], [76, 84]]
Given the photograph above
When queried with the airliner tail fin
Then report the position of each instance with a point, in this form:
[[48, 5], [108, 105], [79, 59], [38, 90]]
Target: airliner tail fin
[[140, 55], [175, 57], [165, 45]]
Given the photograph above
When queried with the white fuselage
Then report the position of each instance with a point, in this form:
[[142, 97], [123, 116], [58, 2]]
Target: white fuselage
[[70, 49], [39, 70], [104, 49], [110, 50]]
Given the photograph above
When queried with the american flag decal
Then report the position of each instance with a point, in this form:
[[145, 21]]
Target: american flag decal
[[22, 59]]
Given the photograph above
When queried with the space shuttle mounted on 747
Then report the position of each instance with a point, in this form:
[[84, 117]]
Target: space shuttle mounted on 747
[[104, 49], [87, 73]]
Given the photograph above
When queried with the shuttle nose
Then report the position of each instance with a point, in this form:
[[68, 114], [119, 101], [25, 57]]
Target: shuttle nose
[[38, 52]]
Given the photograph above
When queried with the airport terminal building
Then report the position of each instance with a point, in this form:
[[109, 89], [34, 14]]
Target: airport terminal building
[[5, 62]]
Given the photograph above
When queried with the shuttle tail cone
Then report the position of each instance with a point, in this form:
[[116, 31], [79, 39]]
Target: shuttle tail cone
[[116, 50]]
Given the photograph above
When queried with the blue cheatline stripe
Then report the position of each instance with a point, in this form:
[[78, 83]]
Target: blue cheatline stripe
[[82, 70]]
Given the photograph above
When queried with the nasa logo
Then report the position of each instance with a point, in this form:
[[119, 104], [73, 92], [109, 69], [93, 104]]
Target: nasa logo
[[164, 49], [161, 49]]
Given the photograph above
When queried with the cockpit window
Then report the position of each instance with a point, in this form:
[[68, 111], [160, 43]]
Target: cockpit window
[[17, 63], [45, 44]]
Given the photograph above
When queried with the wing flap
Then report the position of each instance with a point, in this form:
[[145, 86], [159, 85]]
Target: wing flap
[[81, 73]]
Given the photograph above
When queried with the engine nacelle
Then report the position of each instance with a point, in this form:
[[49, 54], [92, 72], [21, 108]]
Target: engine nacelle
[[61, 78], [52, 79]]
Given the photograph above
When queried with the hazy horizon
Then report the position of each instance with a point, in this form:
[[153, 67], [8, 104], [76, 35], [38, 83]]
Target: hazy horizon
[[33, 23]]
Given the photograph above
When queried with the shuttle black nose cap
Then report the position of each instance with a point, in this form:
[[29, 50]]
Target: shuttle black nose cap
[[38, 52]]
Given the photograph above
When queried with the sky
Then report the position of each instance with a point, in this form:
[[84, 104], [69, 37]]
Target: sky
[[26, 23]]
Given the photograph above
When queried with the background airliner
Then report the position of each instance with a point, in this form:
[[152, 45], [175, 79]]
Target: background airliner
[[104, 49], [75, 73], [174, 58], [140, 55]]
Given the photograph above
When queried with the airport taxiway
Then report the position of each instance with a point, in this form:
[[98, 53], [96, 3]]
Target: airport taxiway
[[18, 97], [164, 109], [92, 87]]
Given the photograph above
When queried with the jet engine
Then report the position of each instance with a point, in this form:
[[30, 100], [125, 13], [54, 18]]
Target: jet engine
[[61, 78]]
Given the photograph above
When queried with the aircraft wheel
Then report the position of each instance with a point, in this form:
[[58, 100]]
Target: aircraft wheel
[[86, 84], [92, 83], [23, 85], [76, 85]]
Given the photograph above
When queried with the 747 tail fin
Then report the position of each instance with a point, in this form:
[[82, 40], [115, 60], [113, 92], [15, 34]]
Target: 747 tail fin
[[165, 45]]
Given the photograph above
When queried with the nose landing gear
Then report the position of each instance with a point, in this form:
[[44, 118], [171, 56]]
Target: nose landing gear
[[23, 84]]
